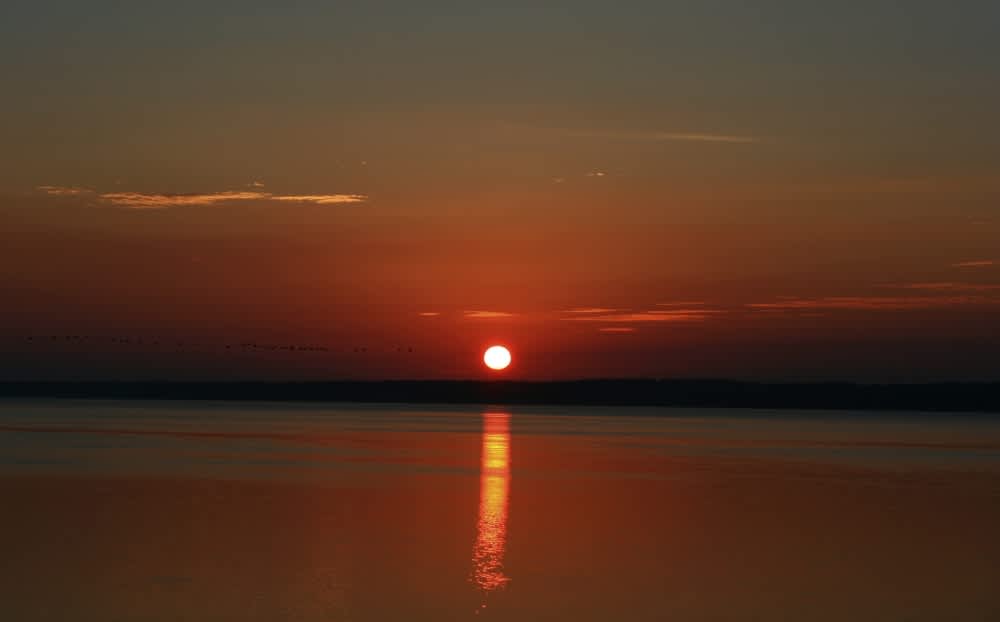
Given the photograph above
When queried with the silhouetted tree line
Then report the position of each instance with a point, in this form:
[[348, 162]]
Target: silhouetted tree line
[[940, 397]]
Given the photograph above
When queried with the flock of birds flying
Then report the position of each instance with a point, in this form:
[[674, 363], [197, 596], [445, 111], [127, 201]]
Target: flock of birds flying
[[190, 345]]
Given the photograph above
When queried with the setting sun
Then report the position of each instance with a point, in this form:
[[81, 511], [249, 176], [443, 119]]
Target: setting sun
[[497, 357]]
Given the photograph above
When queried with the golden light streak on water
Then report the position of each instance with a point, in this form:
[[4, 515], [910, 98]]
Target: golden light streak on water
[[494, 486]]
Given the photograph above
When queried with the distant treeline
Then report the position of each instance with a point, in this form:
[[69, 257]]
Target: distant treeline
[[967, 397]]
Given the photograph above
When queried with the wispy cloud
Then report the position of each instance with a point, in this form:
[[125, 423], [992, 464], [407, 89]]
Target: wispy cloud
[[63, 191], [616, 329], [486, 315], [682, 303], [674, 315], [658, 136], [872, 303], [981, 263], [139, 200], [951, 287], [320, 199], [590, 310], [429, 313], [866, 187], [143, 200]]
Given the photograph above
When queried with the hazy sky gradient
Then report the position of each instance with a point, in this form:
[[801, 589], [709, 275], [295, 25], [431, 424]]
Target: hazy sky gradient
[[754, 191]]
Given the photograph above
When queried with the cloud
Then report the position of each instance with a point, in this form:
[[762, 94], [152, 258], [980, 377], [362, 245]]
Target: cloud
[[597, 174], [257, 184], [674, 315], [429, 313], [982, 263], [702, 138], [138, 200], [320, 199], [590, 310], [142, 200], [63, 191], [698, 137], [951, 287], [871, 303], [682, 303], [656, 136], [865, 187], [649, 136], [486, 315], [616, 329]]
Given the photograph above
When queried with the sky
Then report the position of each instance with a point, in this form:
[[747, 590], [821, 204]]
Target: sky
[[242, 190]]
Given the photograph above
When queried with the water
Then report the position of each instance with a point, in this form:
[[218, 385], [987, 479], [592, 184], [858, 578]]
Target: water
[[224, 511]]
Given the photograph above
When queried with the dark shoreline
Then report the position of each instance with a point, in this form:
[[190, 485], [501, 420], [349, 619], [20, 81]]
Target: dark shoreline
[[935, 397]]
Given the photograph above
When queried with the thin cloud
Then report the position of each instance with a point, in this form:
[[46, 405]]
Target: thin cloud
[[429, 313], [63, 191], [320, 199], [865, 187], [871, 303], [597, 174], [675, 315], [616, 329], [142, 200], [698, 137], [981, 263], [590, 310], [139, 200], [703, 138], [951, 287], [659, 136], [487, 315], [682, 303]]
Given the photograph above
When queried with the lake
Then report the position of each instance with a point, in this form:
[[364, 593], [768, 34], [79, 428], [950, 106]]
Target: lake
[[216, 511]]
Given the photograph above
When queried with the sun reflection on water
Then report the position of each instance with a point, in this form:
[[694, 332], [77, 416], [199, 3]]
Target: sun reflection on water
[[494, 484]]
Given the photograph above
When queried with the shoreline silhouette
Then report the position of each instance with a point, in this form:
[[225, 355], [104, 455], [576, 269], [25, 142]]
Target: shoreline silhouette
[[929, 397]]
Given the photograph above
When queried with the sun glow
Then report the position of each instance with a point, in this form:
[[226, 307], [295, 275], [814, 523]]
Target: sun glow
[[497, 357]]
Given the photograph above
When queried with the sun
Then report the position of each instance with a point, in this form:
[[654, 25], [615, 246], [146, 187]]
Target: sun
[[497, 357]]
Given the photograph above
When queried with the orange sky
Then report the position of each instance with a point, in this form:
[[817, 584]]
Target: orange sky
[[791, 195]]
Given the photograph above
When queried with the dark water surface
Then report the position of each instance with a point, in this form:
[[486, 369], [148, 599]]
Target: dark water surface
[[223, 511]]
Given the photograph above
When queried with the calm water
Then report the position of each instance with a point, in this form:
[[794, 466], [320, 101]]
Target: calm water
[[186, 511]]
